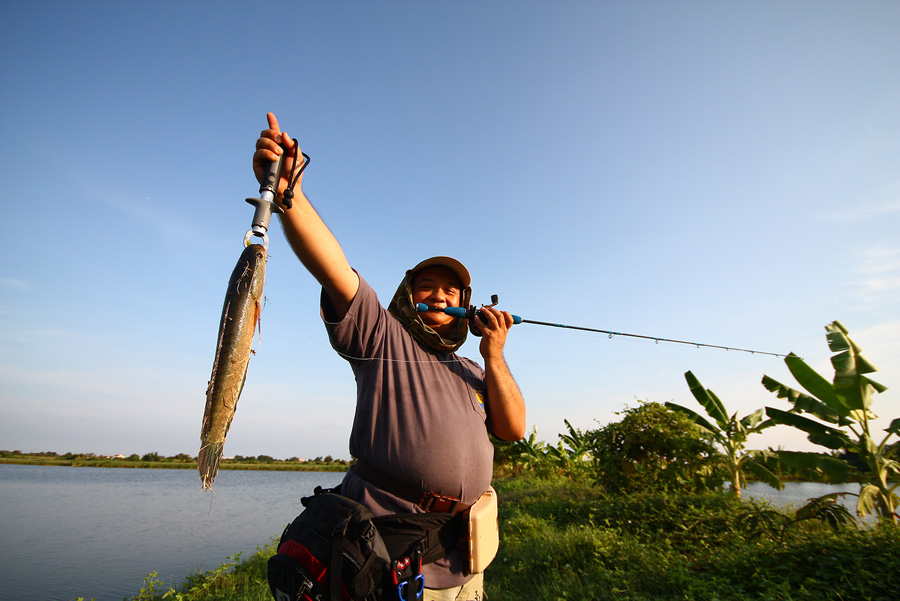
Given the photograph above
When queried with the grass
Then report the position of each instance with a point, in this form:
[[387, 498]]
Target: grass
[[565, 541], [236, 580]]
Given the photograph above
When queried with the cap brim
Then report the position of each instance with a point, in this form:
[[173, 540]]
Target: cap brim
[[450, 263]]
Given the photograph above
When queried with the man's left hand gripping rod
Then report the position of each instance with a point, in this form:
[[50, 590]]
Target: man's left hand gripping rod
[[265, 204]]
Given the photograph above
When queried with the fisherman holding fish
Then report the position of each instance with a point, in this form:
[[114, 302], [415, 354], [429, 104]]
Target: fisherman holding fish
[[423, 413]]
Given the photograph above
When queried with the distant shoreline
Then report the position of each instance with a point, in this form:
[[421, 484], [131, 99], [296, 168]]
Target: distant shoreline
[[173, 465]]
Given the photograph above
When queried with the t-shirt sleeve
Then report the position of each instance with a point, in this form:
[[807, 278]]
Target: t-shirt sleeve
[[357, 335]]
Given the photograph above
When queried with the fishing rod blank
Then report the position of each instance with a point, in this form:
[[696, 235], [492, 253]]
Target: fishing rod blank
[[471, 311]]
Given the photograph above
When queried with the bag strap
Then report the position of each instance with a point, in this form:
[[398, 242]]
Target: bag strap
[[337, 545]]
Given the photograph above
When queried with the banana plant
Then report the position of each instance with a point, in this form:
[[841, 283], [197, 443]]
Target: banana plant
[[840, 419], [575, 446], [572, 452], [731, 434], [529, 451]]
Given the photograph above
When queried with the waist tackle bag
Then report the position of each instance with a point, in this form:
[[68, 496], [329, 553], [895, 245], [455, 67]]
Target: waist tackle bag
[[337, 550]]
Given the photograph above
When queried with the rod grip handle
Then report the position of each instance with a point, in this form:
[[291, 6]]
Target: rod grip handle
[[458, 312]]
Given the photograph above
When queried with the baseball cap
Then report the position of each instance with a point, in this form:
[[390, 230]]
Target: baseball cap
[[450, 263]]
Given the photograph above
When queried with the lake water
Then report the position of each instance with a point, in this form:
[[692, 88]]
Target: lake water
[[96, 533], [796, 494], [93, 532]]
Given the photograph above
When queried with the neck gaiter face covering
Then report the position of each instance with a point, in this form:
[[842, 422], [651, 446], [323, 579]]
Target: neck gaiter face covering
[[403, 308]]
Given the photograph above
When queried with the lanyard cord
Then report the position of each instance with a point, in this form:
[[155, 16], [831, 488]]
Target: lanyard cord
[[288, 197]]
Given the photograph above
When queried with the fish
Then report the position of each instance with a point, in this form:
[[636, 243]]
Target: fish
[[239, 322]]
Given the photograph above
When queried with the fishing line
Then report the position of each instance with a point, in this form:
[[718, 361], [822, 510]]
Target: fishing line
[[328, 346], [472, 311], [351, 357]]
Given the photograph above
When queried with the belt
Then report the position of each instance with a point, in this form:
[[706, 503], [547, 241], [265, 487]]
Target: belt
[[429, 501]]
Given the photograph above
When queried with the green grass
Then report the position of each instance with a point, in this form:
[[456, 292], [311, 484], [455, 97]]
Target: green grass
[[564, 541], [236, 580]]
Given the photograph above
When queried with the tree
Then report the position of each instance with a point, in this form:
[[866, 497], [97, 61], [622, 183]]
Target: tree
[[653, 448], [731, 434], [843, 423]]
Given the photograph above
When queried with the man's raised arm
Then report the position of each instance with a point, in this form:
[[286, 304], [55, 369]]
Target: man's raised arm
[[309, 237]]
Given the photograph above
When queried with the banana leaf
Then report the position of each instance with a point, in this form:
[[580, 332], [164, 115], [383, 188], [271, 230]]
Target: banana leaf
[[869, 500], [697, 419], [814, 383], [849, 357], [819, 434], [754, 421], [894, 428], [714, 407], [804, 402], [853, 389], [762, 473], [817, 465]]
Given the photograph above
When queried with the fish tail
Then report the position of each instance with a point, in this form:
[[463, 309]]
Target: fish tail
[[208, 463]]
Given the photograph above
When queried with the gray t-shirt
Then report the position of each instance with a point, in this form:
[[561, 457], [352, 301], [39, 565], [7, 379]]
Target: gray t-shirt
[[419, 416]]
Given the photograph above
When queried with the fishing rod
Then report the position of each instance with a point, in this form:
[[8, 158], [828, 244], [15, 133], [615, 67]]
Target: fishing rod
[[472, 311]]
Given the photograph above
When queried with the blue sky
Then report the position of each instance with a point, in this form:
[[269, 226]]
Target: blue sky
[[726, 173]]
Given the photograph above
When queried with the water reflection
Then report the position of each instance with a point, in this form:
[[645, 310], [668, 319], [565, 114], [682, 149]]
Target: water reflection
[[92, 532]]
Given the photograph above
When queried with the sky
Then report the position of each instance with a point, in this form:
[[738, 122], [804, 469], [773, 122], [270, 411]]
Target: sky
[[718, 172]]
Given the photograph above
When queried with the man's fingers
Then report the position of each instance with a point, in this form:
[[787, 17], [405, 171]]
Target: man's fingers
[[287, 142], [273, 122], [266, 143], [486, 315], [497, 318], [267, 149]]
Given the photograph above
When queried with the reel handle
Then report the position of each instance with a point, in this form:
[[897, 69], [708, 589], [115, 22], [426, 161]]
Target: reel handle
[[458, 312]]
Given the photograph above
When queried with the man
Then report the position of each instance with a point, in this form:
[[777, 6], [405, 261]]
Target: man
[[423, 413]]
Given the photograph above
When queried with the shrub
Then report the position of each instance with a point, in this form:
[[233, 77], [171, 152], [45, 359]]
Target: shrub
[[654, 448]]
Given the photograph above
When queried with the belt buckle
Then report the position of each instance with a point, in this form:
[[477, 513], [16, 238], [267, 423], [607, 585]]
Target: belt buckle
[[436, 503]]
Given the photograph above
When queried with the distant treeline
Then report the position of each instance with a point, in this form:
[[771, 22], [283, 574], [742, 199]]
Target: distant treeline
[[179, 461]]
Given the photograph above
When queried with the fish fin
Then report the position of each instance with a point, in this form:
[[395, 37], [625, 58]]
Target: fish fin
[[208, 463]]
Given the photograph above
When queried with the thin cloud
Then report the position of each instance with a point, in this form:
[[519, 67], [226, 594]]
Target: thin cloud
[[14, 284], [162, 216], [881, 202], [159, 216], [876, 276], [880, 268]]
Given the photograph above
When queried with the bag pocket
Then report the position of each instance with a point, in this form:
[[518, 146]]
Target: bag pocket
[[330, 551], [484, 534]]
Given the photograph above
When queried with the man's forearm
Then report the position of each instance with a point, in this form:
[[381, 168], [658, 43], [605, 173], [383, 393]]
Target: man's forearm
[[506, 407]]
